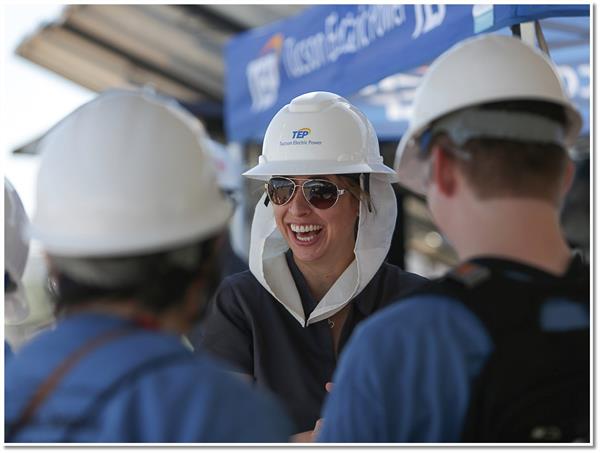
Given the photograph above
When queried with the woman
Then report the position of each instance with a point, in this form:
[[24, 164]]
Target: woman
[[316, 255]]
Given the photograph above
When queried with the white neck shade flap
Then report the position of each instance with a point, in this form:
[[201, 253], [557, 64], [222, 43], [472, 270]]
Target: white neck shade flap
[[375, 230]]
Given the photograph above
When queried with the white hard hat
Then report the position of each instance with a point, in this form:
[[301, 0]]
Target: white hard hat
[[16, 251], [484, 69], [16, 245], [319, 133], [125, 174]]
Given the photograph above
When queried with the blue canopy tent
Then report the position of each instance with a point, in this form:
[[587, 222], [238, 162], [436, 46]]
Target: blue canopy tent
[[375, 55]]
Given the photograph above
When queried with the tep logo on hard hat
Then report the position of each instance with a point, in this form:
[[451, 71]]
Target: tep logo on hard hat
[[301, 133], [299, 138]]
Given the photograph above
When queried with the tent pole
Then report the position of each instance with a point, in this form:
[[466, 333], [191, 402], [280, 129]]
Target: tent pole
[[531, 32]]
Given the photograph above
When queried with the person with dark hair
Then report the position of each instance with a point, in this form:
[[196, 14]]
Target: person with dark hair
[[497, 350], [319, 239], [130, 218]]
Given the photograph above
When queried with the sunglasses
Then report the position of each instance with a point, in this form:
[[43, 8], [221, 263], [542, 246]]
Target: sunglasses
[[9, 284], [319, 193]]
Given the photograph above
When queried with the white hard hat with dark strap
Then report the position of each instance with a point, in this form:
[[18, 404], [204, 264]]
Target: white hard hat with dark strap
[[490, 68], [322, 134]]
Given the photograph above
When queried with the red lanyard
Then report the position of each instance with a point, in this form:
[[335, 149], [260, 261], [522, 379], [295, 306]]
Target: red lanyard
[[146, 321]]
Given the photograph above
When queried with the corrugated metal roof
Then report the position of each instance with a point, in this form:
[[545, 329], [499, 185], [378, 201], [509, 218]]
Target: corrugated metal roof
[[177, 49]]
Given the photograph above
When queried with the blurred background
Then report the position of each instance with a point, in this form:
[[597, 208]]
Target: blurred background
[[234, 66]]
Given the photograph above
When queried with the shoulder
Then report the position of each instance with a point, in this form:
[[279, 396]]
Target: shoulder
[[421, 310], [420, 320], [203, 394], [407, 363], [240, 279], [239, 289], [240, 283], [391, 271], [240, 292], [426, 342], [391, 283], [197, 375], [200, 376]]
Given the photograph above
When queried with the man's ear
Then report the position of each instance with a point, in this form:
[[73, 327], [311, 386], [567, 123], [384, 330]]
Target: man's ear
[[568, 177], [443, 170]]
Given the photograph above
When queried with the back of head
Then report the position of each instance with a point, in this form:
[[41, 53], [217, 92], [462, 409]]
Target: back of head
[[126, 198], [16, 250], [510, 161], [509, 113]]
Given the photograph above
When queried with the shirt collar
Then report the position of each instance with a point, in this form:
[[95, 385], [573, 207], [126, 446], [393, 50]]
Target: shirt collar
[[575, 269], [365, 304], [308, 301]]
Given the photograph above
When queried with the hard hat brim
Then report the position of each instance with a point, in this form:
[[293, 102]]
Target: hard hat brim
[[266, 170], [410, 166], [124, 243]]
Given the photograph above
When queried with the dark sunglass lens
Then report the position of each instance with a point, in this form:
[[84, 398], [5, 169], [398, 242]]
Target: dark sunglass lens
[[321, 194], [280, 190], [9, 284]]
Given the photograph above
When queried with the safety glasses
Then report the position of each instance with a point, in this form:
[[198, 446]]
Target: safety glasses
[[319, 193]]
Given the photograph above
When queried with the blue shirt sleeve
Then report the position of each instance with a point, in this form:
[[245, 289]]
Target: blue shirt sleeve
[[405, 374]]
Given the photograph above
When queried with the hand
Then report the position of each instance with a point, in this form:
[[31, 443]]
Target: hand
[[317, 430], [305, 437], [311, 436], [308, 436], [319, 424]]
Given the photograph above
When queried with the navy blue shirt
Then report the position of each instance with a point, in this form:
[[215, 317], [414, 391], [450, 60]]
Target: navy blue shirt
[[249, 328], [406, 373], [144, 386]]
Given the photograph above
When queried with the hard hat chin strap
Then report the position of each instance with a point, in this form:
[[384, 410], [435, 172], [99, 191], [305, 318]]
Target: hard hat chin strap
[[365, 182], [473, 123]]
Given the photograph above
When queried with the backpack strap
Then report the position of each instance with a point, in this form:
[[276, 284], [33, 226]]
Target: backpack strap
[[113, 383], [503, 297], [54, 379], [117, 384]]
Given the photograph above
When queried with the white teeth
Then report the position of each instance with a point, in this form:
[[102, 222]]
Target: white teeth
[[304, 228], [305, 239]]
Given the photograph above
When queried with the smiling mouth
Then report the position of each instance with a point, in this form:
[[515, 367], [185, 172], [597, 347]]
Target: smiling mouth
[[305, 233]]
